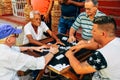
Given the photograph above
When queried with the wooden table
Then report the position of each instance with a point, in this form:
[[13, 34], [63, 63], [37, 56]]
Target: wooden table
[[66, 71]]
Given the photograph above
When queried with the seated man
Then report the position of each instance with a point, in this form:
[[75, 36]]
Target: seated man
[[12, 60], [85, 21], [34, 30], [101, 61]]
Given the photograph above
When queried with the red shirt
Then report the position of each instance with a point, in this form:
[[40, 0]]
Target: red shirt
[[40, 5]]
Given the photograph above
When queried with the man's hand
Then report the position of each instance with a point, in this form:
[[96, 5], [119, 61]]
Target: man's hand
[[62, 1], [46, 18], [69, 53], [75, 49], [90, 44], [82, 42], [72, 51], [71, 39], [54, 49], [39, 49], [68, 2], [59, 42], [46, 46]]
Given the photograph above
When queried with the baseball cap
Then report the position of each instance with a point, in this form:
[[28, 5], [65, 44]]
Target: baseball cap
[[7, 29]]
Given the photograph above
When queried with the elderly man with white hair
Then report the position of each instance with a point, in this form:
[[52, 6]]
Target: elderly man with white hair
[[34, 30]]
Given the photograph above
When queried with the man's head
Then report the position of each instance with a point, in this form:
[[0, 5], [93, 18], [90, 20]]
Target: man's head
[[35, 18], [104, 28], [91, 7], [8, 34]]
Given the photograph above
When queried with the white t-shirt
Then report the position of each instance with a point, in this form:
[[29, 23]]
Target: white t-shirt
[[12, 60], [28, 29], [111, 53]]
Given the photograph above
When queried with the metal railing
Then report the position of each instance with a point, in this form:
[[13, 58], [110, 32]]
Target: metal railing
[[18, 7]]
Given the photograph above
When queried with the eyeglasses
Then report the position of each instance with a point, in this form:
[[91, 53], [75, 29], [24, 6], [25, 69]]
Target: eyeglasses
[[89, 9]]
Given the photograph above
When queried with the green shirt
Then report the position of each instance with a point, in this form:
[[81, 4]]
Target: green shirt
[[84, 22]]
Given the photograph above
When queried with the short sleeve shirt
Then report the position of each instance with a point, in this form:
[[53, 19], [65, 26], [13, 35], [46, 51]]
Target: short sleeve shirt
[[97, 60], [28, 29], [84, 22], [70, 10], [41, 5], [106, 61]]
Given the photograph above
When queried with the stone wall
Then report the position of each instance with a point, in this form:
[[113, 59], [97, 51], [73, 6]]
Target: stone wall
[[1, 8], [5, 7], [56, 12], [27, 10], [111, 8]]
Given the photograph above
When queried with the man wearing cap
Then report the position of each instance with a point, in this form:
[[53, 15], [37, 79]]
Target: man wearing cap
[[12, 60]]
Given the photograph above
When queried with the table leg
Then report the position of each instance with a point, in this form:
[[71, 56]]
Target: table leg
[[40, 74], [68, 74]]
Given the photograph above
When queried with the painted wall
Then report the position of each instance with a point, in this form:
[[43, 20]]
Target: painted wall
[[112, 8]]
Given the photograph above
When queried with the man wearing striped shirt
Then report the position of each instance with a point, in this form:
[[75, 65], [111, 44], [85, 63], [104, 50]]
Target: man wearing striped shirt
[[84, 21]]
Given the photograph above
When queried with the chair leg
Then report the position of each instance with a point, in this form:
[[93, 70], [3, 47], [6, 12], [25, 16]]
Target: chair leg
[[68, 74]]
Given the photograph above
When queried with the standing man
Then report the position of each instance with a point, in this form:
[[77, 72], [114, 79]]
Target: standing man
[[101, 61], [44, 7], [34, 30], [70, 9], [12, 60], [84, 21]]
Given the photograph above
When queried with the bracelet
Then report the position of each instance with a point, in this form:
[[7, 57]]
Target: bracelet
[[51, 53]]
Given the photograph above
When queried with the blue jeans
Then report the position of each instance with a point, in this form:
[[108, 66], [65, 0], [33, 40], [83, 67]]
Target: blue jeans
[[65, 24]]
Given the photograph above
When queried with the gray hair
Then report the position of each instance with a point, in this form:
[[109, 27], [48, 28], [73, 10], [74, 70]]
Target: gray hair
[[95, 2], [32, 13]]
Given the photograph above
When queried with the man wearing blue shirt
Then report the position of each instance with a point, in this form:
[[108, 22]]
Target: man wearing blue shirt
[[69, 11]]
